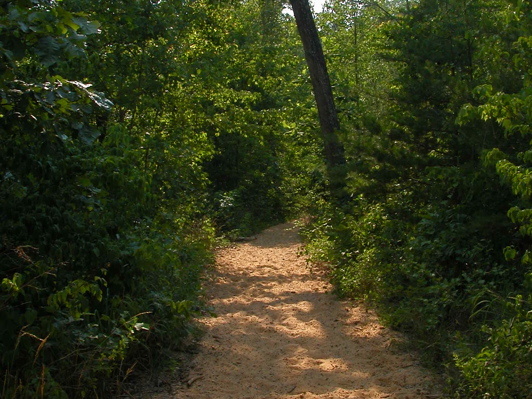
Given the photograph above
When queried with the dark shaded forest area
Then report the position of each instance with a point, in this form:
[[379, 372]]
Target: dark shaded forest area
[[134, 134]]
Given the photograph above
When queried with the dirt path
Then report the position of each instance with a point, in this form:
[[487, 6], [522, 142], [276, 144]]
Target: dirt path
[[280, 334]]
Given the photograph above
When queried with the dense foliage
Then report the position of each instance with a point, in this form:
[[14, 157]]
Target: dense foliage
[[132, 133], [129, 132], [93, 243], [436, 102]]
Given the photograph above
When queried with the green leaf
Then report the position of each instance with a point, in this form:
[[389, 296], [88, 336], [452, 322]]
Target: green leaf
[[87, 135], [510, 253], [87, 27], [47, 48]]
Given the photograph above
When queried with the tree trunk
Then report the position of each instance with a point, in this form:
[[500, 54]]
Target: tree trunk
[[330, 125]]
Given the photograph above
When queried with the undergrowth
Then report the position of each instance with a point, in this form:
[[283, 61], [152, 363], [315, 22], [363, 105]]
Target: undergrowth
[[473, 323]]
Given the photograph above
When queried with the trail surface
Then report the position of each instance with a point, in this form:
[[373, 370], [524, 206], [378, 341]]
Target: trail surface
[[279, 333]]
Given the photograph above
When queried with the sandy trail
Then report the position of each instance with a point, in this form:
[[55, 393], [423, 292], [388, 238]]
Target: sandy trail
[[280, 334]]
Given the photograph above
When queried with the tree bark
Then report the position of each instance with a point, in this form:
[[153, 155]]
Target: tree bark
[[330, 125]]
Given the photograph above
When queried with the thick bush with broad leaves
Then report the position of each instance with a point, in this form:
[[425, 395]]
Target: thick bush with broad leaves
[[436, 234], [87, 279]]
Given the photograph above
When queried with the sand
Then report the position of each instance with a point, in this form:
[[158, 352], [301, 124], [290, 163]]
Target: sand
[[280, 333]]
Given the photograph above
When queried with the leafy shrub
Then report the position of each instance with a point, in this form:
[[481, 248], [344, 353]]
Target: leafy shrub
[[503, 367], [88, 279]]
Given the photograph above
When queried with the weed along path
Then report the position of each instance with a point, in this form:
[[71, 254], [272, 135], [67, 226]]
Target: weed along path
[[279, 333]]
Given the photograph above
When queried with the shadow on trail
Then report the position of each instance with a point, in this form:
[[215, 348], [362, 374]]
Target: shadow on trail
[[281, 236], [287, 342]]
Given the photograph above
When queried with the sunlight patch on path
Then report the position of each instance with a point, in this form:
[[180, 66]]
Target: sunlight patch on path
[[281, 334]]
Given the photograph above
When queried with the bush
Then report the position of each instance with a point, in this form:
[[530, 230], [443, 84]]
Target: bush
[[503, 367]]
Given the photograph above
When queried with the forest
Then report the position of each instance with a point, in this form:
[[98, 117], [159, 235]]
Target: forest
[[136, 136]]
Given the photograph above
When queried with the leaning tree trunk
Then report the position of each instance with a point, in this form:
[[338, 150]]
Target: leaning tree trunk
[[330, 125]]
